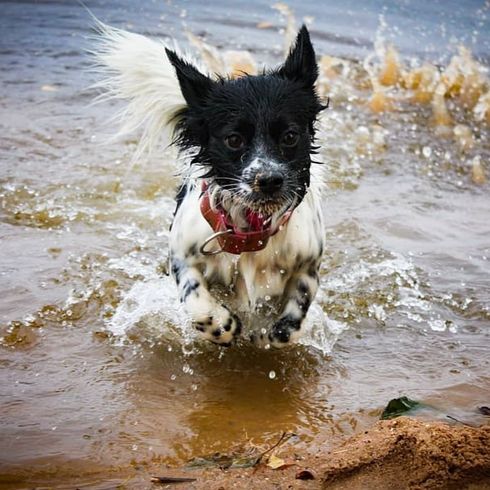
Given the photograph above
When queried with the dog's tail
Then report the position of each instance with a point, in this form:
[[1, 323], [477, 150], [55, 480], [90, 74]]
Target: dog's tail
[[136, 69]]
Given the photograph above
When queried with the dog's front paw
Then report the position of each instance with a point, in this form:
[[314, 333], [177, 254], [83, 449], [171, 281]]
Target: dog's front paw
[[285, 330], [221, 328]]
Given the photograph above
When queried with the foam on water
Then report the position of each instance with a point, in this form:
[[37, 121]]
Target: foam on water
[[321, 332], [150, 302], [152, 305]]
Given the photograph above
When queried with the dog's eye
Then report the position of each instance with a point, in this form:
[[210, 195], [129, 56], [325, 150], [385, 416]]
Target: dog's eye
[[290, 138], [234, 141]]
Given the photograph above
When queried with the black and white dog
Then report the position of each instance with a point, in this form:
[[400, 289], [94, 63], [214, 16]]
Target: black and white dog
[[248, 228]]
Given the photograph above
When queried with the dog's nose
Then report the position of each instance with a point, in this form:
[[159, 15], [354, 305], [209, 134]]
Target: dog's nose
[[269, 182]]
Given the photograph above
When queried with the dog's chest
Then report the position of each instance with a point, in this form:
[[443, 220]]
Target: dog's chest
[[251, 278]]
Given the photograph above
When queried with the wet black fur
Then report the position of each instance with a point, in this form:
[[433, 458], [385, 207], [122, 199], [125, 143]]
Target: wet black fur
[[259, 108]]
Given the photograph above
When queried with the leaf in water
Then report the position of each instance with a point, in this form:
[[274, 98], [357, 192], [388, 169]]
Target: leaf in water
[[484, 410], [399, 406]]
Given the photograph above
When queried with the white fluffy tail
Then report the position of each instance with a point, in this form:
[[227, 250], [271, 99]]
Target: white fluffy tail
[[136, 69]]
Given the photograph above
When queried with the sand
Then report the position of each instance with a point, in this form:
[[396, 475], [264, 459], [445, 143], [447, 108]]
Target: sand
[[412, 454], [399, 454]]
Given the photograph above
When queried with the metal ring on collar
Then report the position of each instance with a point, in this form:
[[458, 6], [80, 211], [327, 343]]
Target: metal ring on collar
[[210, 239]]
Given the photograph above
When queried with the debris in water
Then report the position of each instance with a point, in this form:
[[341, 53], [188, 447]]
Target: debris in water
[[278, 463], [285, 436], [484, 411], [305, 475], [238, 459], [170, 479], [459, 421], [399, 406]]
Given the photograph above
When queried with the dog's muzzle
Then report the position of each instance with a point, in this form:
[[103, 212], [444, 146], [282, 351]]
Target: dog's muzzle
[[229, 237]]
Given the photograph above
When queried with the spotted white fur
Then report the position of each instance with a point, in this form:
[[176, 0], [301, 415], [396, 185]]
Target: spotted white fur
[[272, 275]]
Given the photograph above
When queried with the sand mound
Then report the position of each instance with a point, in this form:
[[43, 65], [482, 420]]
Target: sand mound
[[411, 454]]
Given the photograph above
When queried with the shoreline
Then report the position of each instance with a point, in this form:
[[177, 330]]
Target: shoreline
[[403, 453]]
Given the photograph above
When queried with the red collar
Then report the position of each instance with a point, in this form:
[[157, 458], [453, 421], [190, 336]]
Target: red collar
[[231, 239]]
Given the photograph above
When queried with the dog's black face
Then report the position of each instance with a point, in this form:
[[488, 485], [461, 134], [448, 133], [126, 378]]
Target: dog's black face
[[254, 134]]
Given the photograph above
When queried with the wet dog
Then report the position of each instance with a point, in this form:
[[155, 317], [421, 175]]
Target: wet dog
[[248, 226]]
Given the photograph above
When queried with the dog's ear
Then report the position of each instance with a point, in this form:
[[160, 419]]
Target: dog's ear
[[194, 85], [300, 65]]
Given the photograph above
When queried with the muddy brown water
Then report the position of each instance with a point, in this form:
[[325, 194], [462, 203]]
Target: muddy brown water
[[99, 371]]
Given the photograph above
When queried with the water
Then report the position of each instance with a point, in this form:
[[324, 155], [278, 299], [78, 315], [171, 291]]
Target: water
[[99, 372]]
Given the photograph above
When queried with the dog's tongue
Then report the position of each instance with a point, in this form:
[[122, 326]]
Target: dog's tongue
[[255, 220]]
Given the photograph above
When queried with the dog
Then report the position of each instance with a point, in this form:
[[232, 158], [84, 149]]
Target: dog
[[247, 235]]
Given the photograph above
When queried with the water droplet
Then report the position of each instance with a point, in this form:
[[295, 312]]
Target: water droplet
[[134, 447], [272, 374], [427, 151], [267, 298], [173, 377]]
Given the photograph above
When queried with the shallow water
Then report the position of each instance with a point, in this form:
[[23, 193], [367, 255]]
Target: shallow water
[[98, 368]]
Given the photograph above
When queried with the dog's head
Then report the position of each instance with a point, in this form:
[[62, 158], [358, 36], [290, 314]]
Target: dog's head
[[254, 134]]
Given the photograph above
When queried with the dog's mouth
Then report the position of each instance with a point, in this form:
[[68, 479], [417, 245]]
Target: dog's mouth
[[248, 220], [242, 215]]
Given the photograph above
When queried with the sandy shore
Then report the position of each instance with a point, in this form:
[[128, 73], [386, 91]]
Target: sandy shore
[[399, 454], [404, 453]]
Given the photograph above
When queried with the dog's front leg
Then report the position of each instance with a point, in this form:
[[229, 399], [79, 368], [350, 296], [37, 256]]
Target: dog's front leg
[[301, 290], [214, 321]]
